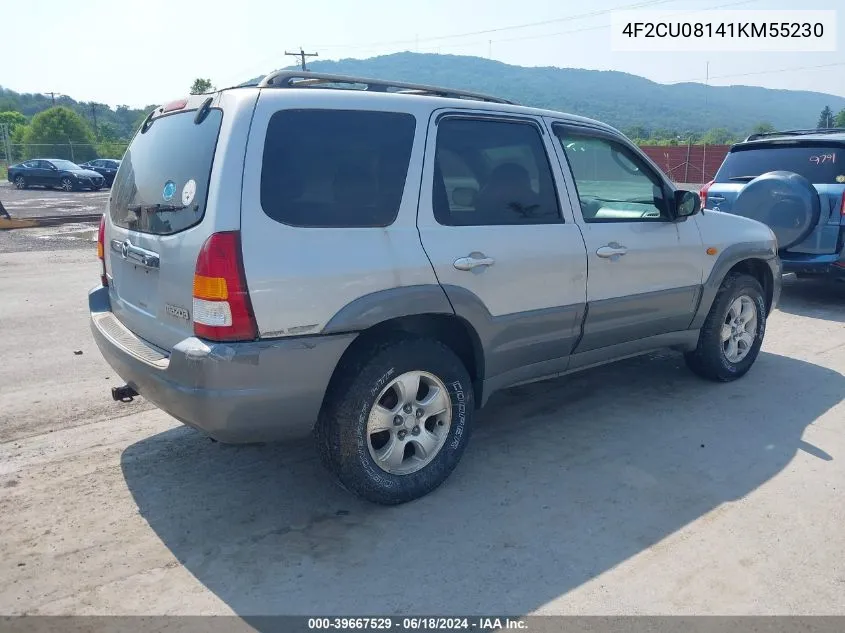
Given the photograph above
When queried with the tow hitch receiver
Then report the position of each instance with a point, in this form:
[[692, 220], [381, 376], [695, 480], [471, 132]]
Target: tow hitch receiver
[[123, 394]]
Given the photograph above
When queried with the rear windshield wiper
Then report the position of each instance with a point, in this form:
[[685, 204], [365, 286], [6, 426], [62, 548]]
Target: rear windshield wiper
[[742, 178], [156, 208]]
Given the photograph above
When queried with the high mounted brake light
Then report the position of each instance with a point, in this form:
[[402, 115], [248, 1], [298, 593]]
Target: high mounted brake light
[[222, 309], [175, 105], [101, 250]]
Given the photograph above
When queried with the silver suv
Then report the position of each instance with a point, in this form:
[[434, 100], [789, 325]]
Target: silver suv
[[372, 260]]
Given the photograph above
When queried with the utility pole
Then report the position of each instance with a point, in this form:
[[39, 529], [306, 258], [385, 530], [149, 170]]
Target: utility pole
[[53, 96], [302, 55], [94, 116], [7, 143]]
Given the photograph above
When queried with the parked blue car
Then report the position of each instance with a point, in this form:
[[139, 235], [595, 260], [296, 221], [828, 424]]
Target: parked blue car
[[54, 173], [794, 182]]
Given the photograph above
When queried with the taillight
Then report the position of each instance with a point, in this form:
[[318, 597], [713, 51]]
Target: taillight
[[703, 193], [222, 309], [101, 250]]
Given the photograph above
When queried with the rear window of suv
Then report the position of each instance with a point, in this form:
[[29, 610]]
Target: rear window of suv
[[335, 168], [162, 184], [820, 164]]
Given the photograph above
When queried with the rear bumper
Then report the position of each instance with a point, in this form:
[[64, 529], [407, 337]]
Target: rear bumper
[[235, 392], [832, 265]]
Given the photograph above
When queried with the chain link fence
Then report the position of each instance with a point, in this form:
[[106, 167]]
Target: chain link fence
[[11, 153]]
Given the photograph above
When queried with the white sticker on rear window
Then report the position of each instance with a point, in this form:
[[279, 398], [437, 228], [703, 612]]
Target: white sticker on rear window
[[188, 192]]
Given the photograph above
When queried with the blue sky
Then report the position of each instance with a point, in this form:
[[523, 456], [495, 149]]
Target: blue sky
[[143, 52]]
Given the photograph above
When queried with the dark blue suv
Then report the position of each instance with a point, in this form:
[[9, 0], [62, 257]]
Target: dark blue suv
[[794, 182]]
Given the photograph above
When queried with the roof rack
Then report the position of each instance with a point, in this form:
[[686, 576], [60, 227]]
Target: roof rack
[[827, 130], [304, 79]]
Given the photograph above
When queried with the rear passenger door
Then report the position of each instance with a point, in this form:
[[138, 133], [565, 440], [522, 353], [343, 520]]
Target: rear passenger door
[[645, 267], [329, 206], [503, 246]]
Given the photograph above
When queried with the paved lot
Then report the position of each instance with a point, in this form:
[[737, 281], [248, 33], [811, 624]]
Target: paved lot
[[634, 488], [28, 203]]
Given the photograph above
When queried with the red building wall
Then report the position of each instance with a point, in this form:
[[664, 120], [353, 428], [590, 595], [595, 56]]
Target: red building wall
[[690, 164]]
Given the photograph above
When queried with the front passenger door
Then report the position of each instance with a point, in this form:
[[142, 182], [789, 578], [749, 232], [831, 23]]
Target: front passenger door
[[47, 173], [505, 250], [645, 267]]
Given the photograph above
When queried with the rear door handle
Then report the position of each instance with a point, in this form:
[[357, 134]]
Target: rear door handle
[[473, 261], [612, 251]]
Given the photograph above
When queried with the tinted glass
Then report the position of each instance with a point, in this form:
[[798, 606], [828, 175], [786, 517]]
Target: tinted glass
[[335, 167], [821, 165], [492, 173], [152, 190], [613, 183], [64, 164]]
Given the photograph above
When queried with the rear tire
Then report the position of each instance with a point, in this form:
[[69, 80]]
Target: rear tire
[[374, 391], [726, 349], [20, 183]]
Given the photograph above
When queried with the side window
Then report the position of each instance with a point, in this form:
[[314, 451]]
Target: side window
[[492, 173], [613, 183], [335, 168], [30, 164]]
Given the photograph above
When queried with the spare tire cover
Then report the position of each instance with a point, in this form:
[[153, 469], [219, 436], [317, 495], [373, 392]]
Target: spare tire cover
[[785, 201]]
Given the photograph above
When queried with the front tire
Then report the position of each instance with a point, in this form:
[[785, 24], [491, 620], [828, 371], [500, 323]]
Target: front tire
[[733, 331], [67, 184], [20, 183], [397, 420]]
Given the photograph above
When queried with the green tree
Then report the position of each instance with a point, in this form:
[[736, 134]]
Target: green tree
[[825, 118], [201, 86], [763, 128], [637, 133], [718, 136], [12, 119], [839, 121], [61, 133]]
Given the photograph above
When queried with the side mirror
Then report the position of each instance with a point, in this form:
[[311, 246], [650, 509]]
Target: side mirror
[[687, 203]]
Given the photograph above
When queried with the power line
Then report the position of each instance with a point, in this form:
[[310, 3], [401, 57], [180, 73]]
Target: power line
[[523, 38], [302, 55], [580, 16], [763, 72], [489, 42]]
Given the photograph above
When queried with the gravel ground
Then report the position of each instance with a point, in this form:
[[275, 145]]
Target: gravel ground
[[30, 203], [634, 488]]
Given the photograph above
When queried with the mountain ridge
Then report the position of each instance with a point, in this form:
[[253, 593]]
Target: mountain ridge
[[621, 99]]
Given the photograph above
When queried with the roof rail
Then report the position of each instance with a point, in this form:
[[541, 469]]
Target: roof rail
[[824, 130], [305, 79]]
